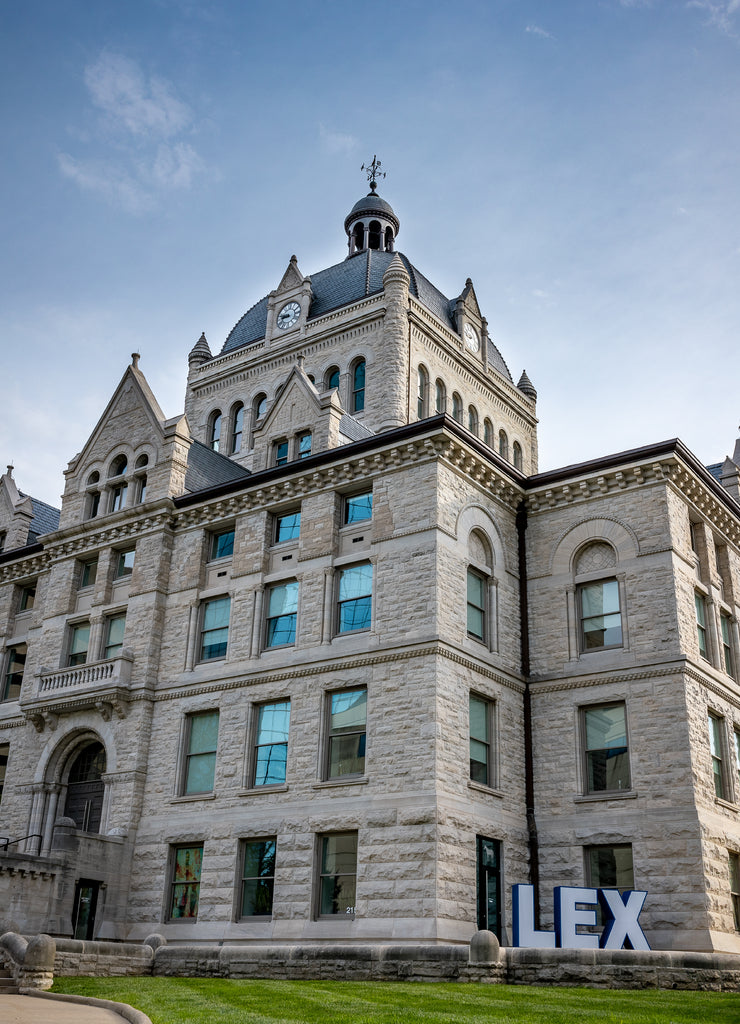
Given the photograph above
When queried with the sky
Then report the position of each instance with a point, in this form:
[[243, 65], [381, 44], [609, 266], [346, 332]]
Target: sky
[[578, 159]]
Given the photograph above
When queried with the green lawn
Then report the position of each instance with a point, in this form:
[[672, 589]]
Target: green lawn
[[211, 1001]]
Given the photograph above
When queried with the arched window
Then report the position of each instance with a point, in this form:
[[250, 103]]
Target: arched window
[[214, 430], [480, 566], [389, 239], [503, 444], [92, 503], [358, 233], [598, 598], [473, 420], [440, 397], [457, 407], [140, 465], [488, 432], [237, 427], [259, 408], [332, 377], [85, 788], [358, 386], [142, 461], [517, 455], [375, 235], [422, 388], [118, 466]]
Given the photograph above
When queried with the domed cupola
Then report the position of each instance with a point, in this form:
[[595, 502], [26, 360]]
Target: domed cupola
[[371, 223]]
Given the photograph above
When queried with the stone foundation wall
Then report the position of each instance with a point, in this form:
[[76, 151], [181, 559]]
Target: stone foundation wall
[[101, 959]]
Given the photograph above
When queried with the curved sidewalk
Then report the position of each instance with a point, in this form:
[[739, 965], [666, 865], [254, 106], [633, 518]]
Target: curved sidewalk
[[51, 1009]]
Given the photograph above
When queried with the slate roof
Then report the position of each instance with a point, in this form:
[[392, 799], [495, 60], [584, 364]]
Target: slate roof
[[45, 519], [207, 468], [715, 469], [352, 429], [347, 282]]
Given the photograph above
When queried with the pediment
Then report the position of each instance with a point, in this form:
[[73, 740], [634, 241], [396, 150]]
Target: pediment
[[469, 300], [292, 278], [297, 406]]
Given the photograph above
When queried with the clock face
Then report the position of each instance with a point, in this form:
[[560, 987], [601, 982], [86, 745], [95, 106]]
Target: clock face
[[471, 338], [288, 315]]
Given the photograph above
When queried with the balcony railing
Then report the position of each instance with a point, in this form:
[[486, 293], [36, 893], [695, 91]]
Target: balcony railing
[[104, 685], [112, 672]]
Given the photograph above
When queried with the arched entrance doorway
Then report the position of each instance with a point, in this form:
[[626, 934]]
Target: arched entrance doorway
[[85, 788]]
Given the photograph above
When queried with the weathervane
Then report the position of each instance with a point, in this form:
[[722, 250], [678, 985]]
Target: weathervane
[[373, 172]]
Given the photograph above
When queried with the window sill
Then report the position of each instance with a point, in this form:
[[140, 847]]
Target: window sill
[[617, 794], [480, 788], [344, 781], [191, 797], [726, 803], [279, 787]]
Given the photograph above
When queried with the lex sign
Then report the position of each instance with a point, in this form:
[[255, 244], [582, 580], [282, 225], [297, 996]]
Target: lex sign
[[574, 906]]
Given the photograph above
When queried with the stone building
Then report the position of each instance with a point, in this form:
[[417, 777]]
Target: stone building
[[327, 658]]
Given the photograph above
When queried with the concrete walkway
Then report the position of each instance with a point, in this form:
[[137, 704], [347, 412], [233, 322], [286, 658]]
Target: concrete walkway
[[50, 1010]]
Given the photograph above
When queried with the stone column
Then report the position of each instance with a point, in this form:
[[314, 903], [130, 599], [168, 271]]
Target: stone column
[[36, 819], [192, 636], [326, 619], [259, 597], [50, 817]]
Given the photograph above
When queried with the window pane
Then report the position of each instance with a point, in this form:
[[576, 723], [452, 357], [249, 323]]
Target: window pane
[[284, 599], [479, 719], [203, 732], [186, 882], [304, 446], [215, 628], [216, 615], [201, 771], [338, 873], [89, 573], [610, 867], [355, 615], [288, 527], [358, 507], [79, 644], [271, 748], [223, 545], [605, 727], [348, 710], [281, 622], [258, 878], [116, 629], [607, 754], [125, 565], [347, 755], [16, 660], [355, 582]]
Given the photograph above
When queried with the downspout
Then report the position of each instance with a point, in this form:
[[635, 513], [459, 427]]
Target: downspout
[[532, 840]]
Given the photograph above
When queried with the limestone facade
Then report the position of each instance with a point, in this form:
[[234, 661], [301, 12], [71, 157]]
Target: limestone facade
[[326, 659]]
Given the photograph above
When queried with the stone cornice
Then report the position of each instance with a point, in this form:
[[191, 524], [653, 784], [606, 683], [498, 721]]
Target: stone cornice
[[726, 691], [580, 488], [613, 678]]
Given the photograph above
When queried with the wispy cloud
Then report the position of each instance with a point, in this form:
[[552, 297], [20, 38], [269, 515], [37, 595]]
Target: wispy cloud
[[720, 13], [537, 30], [139, 150], [337, 142], [142, 105]]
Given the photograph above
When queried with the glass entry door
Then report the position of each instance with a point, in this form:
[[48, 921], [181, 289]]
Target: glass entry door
[[83, 912], [489, 885]]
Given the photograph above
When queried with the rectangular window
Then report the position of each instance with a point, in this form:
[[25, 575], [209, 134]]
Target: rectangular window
[[338, 874], [601, 619], [214, 635], [607, 767], [200, 760], [16, 660], [358, 507], [281, 453], [287, 526], [115, 628], [185, 886], [28, 598], [734, 885], [4, 753], [717, 747], [347, 720], [125, 563], [79, 642], [481, 720], [258, 877], [222, 545], [701, 624], [282, 613], [271, 744], [737, 759], [476, 600], [610, 867], [727, 644], [118, 497], [304, 446], [89, 573], [355, 598]]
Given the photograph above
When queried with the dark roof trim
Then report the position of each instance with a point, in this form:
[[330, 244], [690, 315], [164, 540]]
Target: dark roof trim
[[29, 549], [674, 446]]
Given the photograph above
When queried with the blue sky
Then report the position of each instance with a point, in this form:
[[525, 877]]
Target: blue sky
[[578, 159]]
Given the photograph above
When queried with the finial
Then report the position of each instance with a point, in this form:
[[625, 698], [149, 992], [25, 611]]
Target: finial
[[11, 467], [373, 172], [300, 360], [135, 357]]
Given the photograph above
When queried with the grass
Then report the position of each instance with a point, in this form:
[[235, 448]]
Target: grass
[[205, 1000]]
